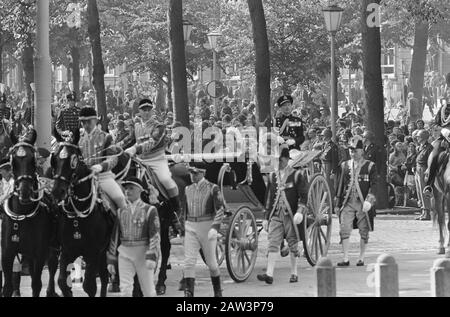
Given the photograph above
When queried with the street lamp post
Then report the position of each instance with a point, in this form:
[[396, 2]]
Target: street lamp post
[[187, 29], [213, 38], [333, 16]]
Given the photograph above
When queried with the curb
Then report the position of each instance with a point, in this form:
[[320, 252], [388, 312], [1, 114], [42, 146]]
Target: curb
[[399, 211]]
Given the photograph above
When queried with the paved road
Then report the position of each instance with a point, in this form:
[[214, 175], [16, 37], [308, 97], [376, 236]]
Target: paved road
[[412, 243]]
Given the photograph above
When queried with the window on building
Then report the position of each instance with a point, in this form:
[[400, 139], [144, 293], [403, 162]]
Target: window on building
[[388, 62]]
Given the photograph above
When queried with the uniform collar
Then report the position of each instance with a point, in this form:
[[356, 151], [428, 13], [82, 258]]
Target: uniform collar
[[202, 181]]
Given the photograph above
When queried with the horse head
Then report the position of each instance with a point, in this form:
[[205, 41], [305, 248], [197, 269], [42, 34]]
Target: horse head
[[66, 163], [23, 163]]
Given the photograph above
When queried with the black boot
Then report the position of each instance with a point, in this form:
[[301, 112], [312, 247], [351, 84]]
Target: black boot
[[16, 284], [190, 285], [216, 286], [174, 203], [428, 190], [1, 284]]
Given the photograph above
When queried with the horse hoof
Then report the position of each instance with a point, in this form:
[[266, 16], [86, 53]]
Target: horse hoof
[[441, 251], [52, 294]]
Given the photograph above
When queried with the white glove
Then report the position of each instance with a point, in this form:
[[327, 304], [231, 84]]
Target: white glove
[[111, 269], [131, 151], [290, 142], [97, 169], [298, 218], [151, 265], [265, 225], [212, 234], [367, 206]]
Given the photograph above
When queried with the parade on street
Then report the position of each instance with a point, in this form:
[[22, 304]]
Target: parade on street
[[232, 149]]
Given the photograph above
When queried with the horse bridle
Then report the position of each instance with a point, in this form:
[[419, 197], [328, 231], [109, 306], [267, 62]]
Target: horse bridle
[[71, 195]]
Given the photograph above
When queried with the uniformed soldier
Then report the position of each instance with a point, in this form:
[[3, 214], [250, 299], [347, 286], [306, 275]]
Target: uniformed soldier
[[423, 153], [442, 120], [68, 117], [204, 215], [286, 199], [371, 150], [136, 237], [356, 199], [329, 158], [149, 142], [100, 155], [289, 127]]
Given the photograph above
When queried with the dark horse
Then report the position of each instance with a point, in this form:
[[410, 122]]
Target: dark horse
[[27, 225], [84, 227]]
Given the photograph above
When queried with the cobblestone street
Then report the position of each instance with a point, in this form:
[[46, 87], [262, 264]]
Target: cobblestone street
[[412, 243]]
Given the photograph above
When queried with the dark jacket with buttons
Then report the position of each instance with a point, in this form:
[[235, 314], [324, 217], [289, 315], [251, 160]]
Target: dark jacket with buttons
[[294, 129], [295, 188]]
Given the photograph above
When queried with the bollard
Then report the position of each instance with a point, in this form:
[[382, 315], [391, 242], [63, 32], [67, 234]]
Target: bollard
[[326, 278], [440, 278], [386, 276]]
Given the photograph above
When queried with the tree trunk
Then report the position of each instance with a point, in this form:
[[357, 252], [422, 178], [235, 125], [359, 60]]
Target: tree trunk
[[419, 61], [262, 64], [178, 62], [75, 52], [97, 60], [28, 69], [1, 59], [169, 103], [160, 96], [373, 86]]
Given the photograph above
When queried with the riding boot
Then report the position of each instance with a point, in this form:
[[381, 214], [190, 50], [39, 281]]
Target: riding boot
[[175, 207], [16, 284], [216, 286], [428, 190], [190, 284], [1, 284]]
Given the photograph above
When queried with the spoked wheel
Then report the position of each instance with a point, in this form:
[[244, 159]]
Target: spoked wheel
[[316, 230], [241, 245], [220, 250]]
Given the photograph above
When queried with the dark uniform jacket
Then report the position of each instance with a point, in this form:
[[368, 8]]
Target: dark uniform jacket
[[68, 119], [295, 188], [371, 153], [367, 182], [293, 129], [330, 155], [423, 153]]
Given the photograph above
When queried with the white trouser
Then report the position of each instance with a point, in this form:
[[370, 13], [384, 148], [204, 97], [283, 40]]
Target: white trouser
[[132, 262], [160, 167], [113, 190], [196, 238]]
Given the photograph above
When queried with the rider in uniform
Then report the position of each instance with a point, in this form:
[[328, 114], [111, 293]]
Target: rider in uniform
[[356, 198], [289, 126], [442, 120], [204, 215], [150, 140], [100, 155], [286, 198]]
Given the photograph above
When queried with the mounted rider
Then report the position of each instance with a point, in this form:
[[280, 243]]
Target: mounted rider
[[100, 155], [442, 120], [150, 140]]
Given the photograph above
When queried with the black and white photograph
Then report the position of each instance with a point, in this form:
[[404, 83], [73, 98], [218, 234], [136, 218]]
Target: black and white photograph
[[254, 151]]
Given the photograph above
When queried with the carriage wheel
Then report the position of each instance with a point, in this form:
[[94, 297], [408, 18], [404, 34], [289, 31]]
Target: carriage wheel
[[241, 245], [220, 250], [316, 226]]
